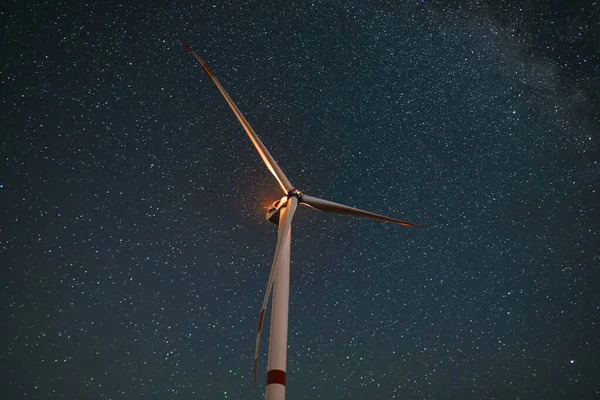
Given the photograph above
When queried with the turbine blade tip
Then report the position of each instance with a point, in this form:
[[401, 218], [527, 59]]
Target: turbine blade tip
[[187, 46]]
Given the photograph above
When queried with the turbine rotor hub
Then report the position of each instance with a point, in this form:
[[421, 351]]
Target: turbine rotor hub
[[296, 193], [275, 209]]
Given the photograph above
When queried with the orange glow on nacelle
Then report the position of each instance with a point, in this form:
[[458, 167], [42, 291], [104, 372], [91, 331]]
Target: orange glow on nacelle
[[273, 210], [277, 203]]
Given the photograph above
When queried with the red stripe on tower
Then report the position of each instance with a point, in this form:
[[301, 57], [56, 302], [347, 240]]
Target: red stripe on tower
[[276, 376]]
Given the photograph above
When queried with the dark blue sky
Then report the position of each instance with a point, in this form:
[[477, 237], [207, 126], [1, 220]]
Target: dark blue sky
[[133, 241]]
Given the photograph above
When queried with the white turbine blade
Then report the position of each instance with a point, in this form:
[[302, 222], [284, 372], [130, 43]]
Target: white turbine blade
[[330, 206], [285, 223], [258, 144]]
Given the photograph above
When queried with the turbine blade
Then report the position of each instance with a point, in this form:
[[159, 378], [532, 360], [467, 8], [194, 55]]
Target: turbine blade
[[285, 223], [330, 206], [258, 144]]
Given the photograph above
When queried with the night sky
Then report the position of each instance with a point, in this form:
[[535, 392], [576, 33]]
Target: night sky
[[134, 250]]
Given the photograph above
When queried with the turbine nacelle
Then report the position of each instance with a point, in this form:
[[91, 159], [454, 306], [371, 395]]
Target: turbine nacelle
[[274, 211]]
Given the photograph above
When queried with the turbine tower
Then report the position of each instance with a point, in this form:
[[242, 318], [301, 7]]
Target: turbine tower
[[281, 213]]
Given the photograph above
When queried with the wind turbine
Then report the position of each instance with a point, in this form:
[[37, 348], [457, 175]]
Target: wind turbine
[[281, 213]]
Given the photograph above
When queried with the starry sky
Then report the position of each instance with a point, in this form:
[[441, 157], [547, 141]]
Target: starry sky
[[134, 251]]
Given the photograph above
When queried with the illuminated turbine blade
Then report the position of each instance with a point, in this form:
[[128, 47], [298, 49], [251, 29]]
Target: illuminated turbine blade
[[285, 224], [258, 144], [330, 206]]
